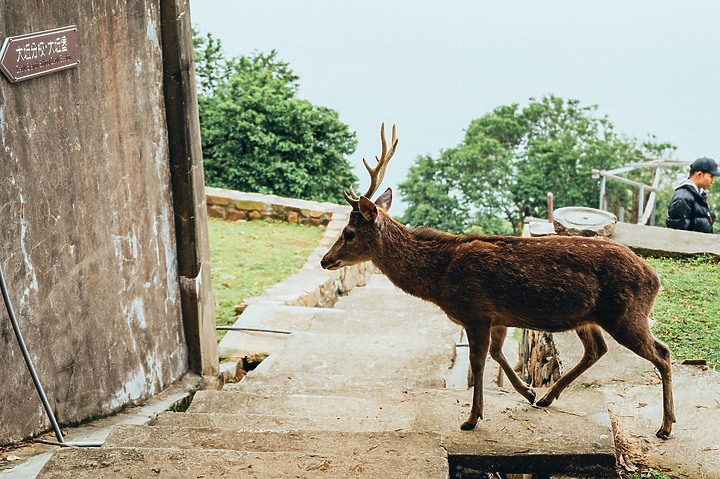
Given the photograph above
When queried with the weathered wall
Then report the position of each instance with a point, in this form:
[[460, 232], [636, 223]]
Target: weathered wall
[[87, 242]]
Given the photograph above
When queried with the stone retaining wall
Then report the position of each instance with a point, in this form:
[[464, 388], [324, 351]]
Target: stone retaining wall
[[235, 205], [311, 286]]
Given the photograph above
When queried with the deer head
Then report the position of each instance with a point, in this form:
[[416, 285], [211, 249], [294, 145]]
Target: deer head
[[357, 241]]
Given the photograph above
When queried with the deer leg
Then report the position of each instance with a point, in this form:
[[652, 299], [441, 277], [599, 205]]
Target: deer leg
[[646, 346], [595, 346], [497, 338], [479, 342]]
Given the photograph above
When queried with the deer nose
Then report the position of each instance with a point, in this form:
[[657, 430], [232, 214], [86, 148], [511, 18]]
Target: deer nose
[[329, 263], [324, 262]]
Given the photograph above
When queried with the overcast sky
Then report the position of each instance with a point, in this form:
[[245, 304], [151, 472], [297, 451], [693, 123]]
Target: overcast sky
[[653, 67]]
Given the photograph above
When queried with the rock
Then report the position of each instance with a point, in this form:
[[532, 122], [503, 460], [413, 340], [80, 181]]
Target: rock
[[541, 229]]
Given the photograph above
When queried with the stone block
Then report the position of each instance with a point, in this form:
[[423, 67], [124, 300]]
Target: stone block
[[235, 215], [218, 200], [216, 211], [247, 205]]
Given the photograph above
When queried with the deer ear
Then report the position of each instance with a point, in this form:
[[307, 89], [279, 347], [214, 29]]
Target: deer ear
[[368, 209], [385, 200]]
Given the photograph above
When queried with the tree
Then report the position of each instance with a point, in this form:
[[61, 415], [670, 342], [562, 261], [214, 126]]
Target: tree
[[258, 136], [512, 157]]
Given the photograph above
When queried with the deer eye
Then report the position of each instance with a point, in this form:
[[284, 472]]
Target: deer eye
[[348, 235]]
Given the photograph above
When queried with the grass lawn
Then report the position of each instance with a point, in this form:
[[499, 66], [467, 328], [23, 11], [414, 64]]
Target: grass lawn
[[247, 257], [687, 310]]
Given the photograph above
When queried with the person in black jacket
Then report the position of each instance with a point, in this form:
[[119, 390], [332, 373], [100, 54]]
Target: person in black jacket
[[688, 208]]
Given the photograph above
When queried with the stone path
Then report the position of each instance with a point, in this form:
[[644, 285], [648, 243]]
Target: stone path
[[356, 394]]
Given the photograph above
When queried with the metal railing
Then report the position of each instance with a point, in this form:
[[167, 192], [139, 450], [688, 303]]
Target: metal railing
[[646, 210]]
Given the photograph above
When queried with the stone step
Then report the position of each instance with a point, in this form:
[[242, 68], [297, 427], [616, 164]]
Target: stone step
[[574, 434], [367, 355], [412, 320], [303, 382], [270, 422], [292, 318], [407, 321], [238, 344], [380, 296], [123, 463], [302, 405], [372, 445]]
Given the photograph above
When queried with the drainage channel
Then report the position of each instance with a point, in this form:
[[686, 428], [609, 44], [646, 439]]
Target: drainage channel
[[471, 467]]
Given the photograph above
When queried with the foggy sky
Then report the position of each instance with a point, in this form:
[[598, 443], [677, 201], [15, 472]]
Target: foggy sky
[[431, 67]]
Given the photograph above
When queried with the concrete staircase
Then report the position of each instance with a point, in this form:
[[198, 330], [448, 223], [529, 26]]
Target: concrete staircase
[[357, 394]]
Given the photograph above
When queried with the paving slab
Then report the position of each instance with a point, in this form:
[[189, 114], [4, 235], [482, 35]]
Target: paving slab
[[270, 422], [414, 319], [656, 241], [303, 405], [239, 344], [372, 445], [515, 437], [401, 357], [304, 382], [137, 463], [379, 294], [632, 390]]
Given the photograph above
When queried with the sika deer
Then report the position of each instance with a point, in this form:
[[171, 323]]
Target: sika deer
[[488, 283]]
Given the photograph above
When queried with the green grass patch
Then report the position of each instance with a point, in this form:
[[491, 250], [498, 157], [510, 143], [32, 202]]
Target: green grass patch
[[687, 310], [247, 257], [649, 474]]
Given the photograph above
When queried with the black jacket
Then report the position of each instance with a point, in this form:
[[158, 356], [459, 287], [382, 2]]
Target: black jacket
[[689, 210]]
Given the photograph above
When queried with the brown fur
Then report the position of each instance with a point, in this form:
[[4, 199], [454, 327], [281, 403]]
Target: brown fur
[[489, 283]]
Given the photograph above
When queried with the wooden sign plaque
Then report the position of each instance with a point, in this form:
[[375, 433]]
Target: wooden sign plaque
[[35, 54]]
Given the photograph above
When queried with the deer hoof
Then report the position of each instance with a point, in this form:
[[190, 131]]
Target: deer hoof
[[543, 403], [663, 434], [531, 396], [467, 426]]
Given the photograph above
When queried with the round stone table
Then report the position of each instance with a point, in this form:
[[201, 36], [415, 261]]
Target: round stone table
[[579, 221]]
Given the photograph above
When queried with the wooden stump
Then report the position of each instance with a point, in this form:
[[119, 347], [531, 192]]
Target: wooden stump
[[540, 360]]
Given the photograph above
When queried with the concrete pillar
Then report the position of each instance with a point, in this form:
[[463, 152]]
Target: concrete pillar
[[188, 186]]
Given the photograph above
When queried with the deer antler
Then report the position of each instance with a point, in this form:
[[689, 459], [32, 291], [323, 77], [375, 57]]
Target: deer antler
[[378, 173]]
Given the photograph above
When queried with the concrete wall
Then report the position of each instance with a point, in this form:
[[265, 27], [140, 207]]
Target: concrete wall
[[87, 242]]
